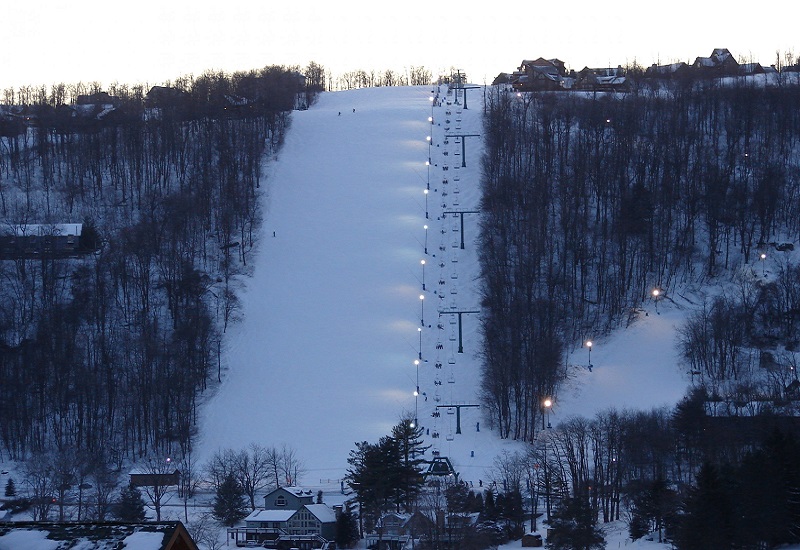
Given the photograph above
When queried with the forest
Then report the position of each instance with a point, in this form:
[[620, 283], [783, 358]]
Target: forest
[[595, 204], [109, 352], [593, 201]]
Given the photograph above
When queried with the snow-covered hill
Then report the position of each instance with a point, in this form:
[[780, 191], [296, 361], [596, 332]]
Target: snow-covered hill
[[326, 353]]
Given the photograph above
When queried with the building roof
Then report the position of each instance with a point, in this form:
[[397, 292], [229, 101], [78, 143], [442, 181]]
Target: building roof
[[165, 535], [42, 229], [271, 515], [322, 512], [297, 491]]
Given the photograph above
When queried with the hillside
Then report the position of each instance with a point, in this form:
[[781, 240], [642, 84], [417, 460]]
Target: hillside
[[325, 354]]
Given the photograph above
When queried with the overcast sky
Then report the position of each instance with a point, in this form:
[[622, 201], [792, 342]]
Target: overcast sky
[[152, 41]]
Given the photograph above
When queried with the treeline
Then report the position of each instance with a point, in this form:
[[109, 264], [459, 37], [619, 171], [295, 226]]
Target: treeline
[[686, 476], [592, 201], [109, 353]]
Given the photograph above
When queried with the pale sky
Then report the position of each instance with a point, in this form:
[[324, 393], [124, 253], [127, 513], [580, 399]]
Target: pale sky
[[52, 41]]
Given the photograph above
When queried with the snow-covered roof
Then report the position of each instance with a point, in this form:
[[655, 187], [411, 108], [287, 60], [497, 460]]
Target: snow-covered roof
[[41, 230], [322, 512], [270, 515], [298, 491]]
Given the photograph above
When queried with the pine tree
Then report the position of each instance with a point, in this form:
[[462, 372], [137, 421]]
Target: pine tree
[[11, 489], [489, 508], [130, 507], [574, 527], [229, 503], [408, 436], [346, 529], [708, 522]]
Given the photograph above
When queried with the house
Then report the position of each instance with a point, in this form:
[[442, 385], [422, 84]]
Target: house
[[671, 71], [290, 519], [165, 535], [395, 526], [751, 68], [60, 240], [142, 478], [313, 519], [608, 78], [288, 498], [540, 75], [719, 63]]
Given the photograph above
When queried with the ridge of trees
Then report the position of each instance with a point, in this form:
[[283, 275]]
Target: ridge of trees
[[112, 351], [590, 201]]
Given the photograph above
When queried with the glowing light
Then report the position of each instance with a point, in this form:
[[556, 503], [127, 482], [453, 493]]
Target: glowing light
[[548, 403]]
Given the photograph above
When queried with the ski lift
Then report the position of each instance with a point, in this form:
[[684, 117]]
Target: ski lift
[[450, 437], [451, 379], [451, 410], [454, 275], [453, 290], [451, 361], [455, 201], [453, 320], [456, 191], [452, 336]]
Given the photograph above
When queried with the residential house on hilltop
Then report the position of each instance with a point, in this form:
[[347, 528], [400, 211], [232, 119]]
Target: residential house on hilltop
[[720, 63], [671, 71], [609, 78], [540, 74]]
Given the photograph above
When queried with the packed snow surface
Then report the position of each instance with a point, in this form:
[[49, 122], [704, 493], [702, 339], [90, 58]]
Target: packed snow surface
[[325, 354]]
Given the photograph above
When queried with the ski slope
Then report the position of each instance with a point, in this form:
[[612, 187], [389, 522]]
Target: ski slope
[[333, 320]]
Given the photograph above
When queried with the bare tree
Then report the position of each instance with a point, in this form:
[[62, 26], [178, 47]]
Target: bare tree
[[253, 470], [159, 489]]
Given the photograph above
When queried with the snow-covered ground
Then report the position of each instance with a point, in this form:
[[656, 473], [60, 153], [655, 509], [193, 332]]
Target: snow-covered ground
[[333, 320], [325, 354]]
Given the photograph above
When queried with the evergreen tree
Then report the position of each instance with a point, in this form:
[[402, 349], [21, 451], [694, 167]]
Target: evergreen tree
[[708, 513], [514, 514], [130, 507], [346, 529], [489, 508], [574, 527], [767, 494], [230, 504], [388, 475], [11, 489], [408, 436]]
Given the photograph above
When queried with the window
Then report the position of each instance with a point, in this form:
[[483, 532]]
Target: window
[[280, 501]]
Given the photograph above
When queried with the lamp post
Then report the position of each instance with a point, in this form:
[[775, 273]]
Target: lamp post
[[656, 294], [426, 199], [423, 273], [547, 403], [425, 227], [422, 309], [419, 330], [763, 263], [589, 346]]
